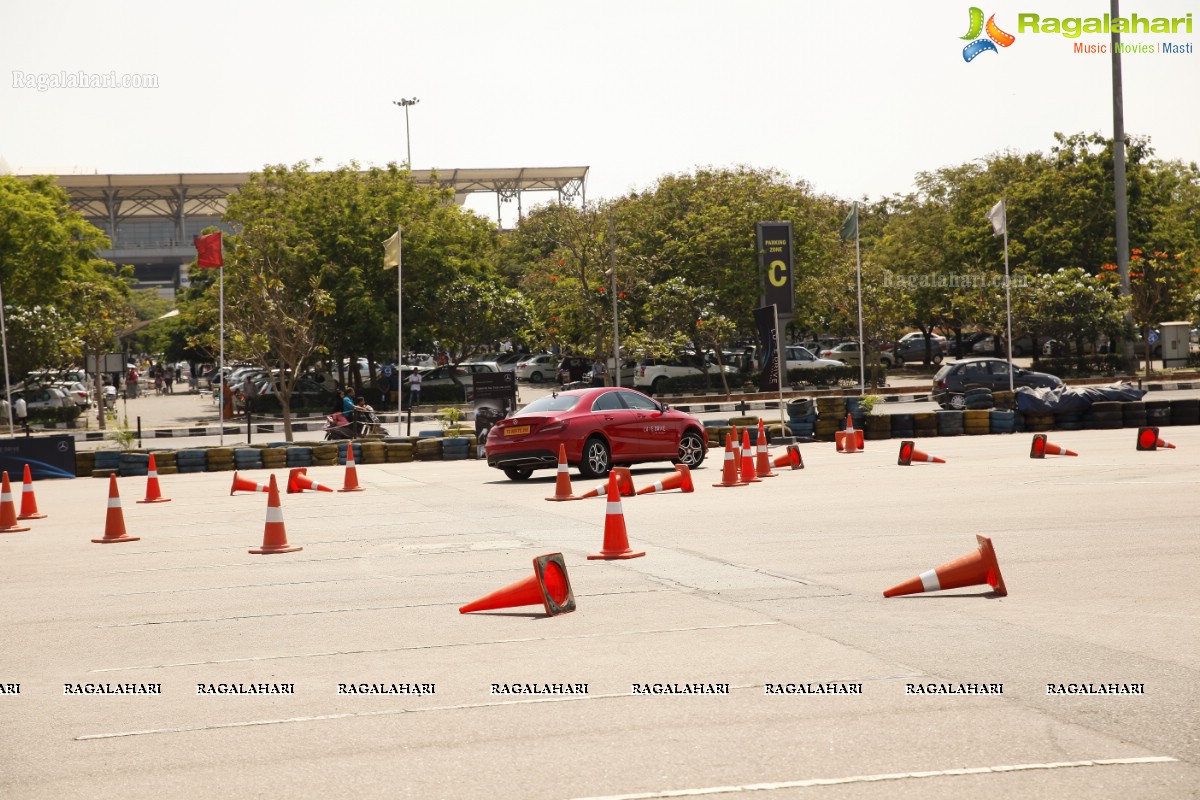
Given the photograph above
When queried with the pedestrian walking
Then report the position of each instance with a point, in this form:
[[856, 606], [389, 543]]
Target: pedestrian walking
[[21, 411]]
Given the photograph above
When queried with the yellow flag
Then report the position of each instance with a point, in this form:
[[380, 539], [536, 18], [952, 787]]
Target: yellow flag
[[391, 251]]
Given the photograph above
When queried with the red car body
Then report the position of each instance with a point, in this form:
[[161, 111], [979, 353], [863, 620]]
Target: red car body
[[600, 428]]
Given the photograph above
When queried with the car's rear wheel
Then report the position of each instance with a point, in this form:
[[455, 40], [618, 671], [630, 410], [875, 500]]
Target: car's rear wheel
[[957, 402], [691, 450], [597, 460], [937, 359], [518, 473], [535, 377], [657, 387]]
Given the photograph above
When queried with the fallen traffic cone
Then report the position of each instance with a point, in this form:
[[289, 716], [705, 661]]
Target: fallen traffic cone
[[29, 509], [748, 475], [762, 468], [114, 522], [1147, 440], [153, 493], [729, 472], [548, 585], [274, 533], [247, 485], [790, 458], [909, 453], [350, 482], [682, 480], [1042, 448], [616, 541], [562, 484], [624, 485], [970, 570], [8, 510], [298, 481]]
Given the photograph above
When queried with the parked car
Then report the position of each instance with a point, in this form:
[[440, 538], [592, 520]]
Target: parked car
[[574, 368], [503, 362], [847, 352], [538, 368], [600, 428], [43, 397], [450, 374], [954, 379], [77, 393], [802, 358], [653, 372], [910, 348]]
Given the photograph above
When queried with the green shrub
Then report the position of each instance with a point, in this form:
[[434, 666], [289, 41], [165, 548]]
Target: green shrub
[[44, 416], [1083, 366]]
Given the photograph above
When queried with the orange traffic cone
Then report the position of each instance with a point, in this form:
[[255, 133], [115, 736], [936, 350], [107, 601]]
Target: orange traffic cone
[[1147, 440], [909, 453], [790, 458], [274, 533], [114, 522], [616, 541], [548, 585], [624, 485], [682, 480], [562, 484], [29, 509], [247, 485], [8, 510], [350, 483], [762, 468], [1042, 448], [970, 570], [849, 440], [298, 481], [748, 471], [729, 473], [153, 493]]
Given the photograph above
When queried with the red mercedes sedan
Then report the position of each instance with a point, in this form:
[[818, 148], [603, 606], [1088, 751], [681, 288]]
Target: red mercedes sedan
[[600, 427]]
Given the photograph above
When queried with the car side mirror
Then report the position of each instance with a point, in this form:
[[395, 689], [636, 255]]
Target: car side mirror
[[664, 408]]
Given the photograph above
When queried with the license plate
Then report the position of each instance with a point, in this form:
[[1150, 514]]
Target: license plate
[[516, 430]]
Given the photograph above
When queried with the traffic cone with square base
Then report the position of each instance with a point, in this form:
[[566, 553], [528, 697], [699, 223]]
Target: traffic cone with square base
[[747, 464], [274, 533], [730, 472], [562, 484], [29, 509], [909, 454], [548, 586], [8, 510], [350, 482], [247, 485], [616, 540], [153, 493], [114, 522], [682, 480], [762, 467], [849, 440], [1147, 440], [971, 570], [791, 458], [624, 485], [298, 481], [1042, 448]]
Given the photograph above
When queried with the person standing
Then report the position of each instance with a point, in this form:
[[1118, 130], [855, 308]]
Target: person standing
[[598, 370], [131, 382], [21, 411], [414, 388], [249, 392]]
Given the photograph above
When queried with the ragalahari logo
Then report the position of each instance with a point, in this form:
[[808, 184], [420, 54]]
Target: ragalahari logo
[[995, 36]]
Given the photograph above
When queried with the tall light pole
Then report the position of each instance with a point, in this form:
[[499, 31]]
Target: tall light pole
[[406, 102], [1120, 192]]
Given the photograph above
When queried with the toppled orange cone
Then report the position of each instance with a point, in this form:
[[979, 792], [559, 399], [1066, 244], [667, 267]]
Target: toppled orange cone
[[114, 521], [350, 482], [748, 472], [616, 540], [762, 467], [8, 510], [790, 458], [909, 454], [971, 570], [298, 481], [730, 471], [1147, 440], [274, 532], [682, 480], [29, 509], [1042, 448], [153, 492], [247, 485], [548, 586], [562, 483], [624, 485]]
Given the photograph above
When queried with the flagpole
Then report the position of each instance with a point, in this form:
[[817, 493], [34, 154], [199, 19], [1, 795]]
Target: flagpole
[[221, 367], [781, 367], [7, 385], [400, 329], [1007, 294], [862, 346]]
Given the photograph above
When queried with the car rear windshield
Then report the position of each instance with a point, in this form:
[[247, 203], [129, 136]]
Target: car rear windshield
[[549, 404]]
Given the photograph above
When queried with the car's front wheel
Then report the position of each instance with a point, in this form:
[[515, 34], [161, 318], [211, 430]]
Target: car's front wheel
[[535, 377], [691, 450], [518, 473], [596, 461]]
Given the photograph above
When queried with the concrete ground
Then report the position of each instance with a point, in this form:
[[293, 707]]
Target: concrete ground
[[773, 584]]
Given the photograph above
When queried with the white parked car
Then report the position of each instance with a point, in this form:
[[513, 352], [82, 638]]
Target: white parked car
[[802, 358], [651, 373], [77, 393], [848, 353], [538, 368]]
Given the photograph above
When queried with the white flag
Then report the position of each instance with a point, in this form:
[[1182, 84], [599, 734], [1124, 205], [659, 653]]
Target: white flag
[[999, 219], [391, 251]]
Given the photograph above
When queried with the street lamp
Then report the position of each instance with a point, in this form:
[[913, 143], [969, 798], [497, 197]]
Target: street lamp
[[406, 102]]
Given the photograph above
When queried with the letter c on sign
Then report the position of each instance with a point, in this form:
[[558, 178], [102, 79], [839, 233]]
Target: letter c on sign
[[774, 276]]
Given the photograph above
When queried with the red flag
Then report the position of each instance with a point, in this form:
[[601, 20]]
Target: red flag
[[209, 253]]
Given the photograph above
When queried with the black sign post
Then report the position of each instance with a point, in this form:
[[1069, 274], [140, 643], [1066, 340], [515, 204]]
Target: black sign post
[[775, 260]]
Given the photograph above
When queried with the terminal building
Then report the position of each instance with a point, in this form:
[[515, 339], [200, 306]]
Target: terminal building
[[151, 219]]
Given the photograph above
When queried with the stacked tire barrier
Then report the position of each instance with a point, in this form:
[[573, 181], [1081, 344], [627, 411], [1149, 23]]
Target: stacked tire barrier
[[949, 423], [373, 452], [343, 446], [85, 462], [977, 421], [925, 424], [1068, 420], [456, 448], [429, 448], [399, 450], [220, 459], [325, 455], [131, 464], [107, 463], [1104, 415], [1185, 411], [1158, 413], [1036, 423], [1133, 414], [191, 460], [165, 463], [245, 458], [857, 413], [299, 457], [977, 399], [1005, 400], [716, 430], [274, 456], [802, 417], [877, 426], [903, 426], [1002, 420], [831, 417]]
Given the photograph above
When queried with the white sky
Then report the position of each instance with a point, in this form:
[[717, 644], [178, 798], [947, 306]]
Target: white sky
[[855, 97]]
